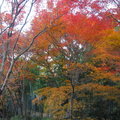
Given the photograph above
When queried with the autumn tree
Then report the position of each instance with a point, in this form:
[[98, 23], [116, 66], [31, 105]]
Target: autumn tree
[[74, 64], [87, 42], [14, 40]]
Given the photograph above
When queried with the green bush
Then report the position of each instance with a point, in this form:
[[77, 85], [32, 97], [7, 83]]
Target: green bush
[[17, 118], [46, 119]]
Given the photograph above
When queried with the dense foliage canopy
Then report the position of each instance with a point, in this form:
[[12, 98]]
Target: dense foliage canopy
[[66, 65]]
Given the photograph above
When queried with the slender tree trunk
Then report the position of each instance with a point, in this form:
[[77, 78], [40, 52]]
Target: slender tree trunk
[[13, 101], [72, 100]]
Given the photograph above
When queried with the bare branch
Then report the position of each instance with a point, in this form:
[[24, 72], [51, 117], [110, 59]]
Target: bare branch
[[7, 76], [40, 33], [5, 49], [23, 26]]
